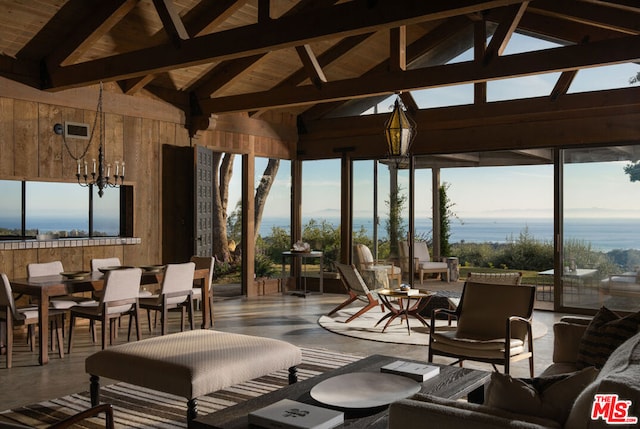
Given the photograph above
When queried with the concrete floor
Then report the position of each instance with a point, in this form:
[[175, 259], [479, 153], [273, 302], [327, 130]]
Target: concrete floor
[[284, 317]]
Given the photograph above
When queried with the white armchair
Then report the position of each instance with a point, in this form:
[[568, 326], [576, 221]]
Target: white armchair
[[422, 260]]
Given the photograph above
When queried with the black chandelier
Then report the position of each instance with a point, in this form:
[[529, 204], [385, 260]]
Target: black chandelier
[[98, 176]]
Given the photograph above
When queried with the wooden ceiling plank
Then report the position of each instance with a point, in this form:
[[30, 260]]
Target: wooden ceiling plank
[[88, 31], [398, 48], [624, 49], [227, 71], [171, 21], [202, 18], [326, 58], [505, 30], [311, 65], [591, 14], [208, 15], [284, 32]]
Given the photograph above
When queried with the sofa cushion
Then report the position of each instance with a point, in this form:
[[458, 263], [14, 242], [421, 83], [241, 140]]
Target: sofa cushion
[[620, 375], [547, 397], [604, 334]]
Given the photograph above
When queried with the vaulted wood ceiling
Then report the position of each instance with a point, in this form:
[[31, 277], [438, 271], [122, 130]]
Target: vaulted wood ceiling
[[323, 59]]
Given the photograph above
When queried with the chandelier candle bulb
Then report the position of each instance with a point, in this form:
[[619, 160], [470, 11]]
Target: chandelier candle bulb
[[117, 169], [94, 165], [85, 169], [78, 168], [108, 170], [122, 170]]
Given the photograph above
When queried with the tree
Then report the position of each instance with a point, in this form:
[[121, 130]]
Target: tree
[[223, 168], [633, 170], [395, 225], [445, 220], [262, 191]]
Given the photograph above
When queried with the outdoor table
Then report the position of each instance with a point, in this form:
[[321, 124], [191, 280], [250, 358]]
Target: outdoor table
[[303, 256], [44, 287]]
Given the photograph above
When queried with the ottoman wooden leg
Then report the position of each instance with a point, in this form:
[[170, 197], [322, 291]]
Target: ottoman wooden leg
[[95, 390], [293, 375], [192, 410]]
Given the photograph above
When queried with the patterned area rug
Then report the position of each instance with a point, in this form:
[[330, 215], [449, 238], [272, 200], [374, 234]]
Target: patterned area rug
[[364, 328], [136, 407]]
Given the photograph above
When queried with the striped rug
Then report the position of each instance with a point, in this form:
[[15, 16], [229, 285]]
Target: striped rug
[[136, 407]]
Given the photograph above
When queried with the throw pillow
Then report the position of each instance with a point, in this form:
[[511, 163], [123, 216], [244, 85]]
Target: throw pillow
[[548, 397], [604, 334]]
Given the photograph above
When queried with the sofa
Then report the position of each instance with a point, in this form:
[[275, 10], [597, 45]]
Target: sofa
[[568, 406]]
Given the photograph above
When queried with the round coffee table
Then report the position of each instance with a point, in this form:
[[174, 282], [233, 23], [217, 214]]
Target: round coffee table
[[402, 304]]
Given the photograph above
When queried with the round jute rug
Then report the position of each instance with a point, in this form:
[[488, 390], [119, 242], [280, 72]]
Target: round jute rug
[[363, 327]]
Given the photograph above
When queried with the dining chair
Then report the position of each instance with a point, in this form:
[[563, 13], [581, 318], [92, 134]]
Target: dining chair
[[119, 298], [357, 290], [175, 293], [54, 268], [14, 316], [494, 326], [97, 263], [205, 262]]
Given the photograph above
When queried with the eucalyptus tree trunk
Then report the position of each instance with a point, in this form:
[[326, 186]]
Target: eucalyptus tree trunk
[[223, 171], [262, 191]]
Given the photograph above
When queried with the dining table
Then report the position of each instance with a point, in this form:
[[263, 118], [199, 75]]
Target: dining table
[[42, 288]]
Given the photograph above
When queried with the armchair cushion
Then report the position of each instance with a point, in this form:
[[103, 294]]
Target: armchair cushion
[[548, 397], [604, 334]]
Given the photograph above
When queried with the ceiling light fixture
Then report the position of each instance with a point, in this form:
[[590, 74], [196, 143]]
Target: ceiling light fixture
[[400, 130]]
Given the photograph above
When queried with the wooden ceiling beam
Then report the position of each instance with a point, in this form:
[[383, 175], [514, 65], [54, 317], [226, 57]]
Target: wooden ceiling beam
[[588, 104], [562, 84], [615, 51], [173, 25], [311, 65], [284, 32], [398, 48], [532, 125], [505, 30]]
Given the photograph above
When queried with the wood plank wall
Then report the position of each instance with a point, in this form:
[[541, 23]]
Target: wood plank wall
[[29, 150]]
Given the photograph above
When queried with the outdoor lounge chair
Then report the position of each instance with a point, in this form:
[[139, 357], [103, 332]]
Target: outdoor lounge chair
[[363, 259], [494, 326], [357, 290], [422, 260]]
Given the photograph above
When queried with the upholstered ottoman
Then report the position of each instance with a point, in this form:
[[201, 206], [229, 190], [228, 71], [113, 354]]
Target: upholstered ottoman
[[192, 364]]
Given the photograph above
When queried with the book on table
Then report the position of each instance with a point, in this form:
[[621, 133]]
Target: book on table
[[408, 292], [289, 414], [417, 371]]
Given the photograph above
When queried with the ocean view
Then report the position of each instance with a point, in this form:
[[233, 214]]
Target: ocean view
[[603, 234]]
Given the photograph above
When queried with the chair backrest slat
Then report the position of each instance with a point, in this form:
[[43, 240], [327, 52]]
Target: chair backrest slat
[[178, 278], [98, 263], [6, 297], [495, 278], [120, 285], [205, 262], [44, 269]]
